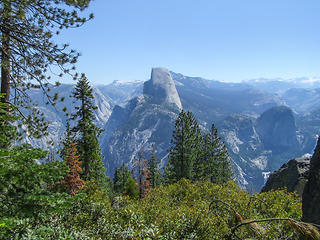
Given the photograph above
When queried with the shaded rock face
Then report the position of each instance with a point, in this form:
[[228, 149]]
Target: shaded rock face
[[277, 129], [238, 129], [293, 175], [144, 120], [311, 192], [161, 85], [241, 138]]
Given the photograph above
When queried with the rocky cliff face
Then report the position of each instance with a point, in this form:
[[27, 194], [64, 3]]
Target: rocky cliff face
[[161, 86], [150, 121], [260, 145], [293, 175], [238, 130], [311, 192], [240, 137], [146, 119], [276, 129]]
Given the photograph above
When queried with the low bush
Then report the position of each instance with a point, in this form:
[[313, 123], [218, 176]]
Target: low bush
[[184, 210]]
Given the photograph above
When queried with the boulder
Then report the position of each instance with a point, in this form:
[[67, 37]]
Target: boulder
[[293, 175]]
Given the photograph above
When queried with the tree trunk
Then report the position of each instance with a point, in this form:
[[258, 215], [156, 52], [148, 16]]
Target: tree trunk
[[86, 163], [5, 52]]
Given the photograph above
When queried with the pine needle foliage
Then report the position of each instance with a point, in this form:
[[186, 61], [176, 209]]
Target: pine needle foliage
[[153, 166], [195, 155], [8, 132], [131, 189], [87, 133], [306, 230], [29, 56], [28, 189], [187, 141], [120, 178], [215, 162]]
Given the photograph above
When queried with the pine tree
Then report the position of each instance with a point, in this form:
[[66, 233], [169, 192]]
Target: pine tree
[[8, 132], [69, 137], [187, 141], [141, 173], [26, 187], [121, 176], [131, 188], [87, 135], [153, 167], [28, 51], [215, 163], [72, 180]]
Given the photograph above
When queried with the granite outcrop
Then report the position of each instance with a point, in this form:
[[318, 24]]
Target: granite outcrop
[[292, 175], [311, 192]]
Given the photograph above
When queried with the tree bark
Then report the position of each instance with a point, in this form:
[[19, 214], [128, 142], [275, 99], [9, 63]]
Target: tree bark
[[5, 52]]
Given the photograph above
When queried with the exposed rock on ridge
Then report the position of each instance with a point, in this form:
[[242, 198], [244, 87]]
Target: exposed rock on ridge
[[144, 121], [258, 145], [161, 85], [238, 129], [292, 175], [311, 192]]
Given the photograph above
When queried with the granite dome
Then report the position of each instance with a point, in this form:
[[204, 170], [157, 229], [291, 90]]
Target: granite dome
[[161, 85]]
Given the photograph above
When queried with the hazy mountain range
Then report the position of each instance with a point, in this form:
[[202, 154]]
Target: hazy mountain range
[[264, 122]]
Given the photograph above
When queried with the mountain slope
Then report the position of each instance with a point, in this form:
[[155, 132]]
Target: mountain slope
[[277, 129], [150, 118], [146, 119], [135, 114], [211, 102]]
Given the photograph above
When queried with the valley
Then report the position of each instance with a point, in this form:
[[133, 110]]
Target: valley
[[264, 123]]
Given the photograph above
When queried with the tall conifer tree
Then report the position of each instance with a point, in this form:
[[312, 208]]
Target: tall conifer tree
[[215, 162], [187, 141], [153, 166], [87, 134], [121, 176]]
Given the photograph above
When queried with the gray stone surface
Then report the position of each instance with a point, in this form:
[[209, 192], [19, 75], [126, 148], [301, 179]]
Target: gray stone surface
[[277, 129], [311, 192], [292, 175], [161, 85]]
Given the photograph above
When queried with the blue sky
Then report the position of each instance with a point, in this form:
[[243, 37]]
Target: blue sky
[[228, 40]]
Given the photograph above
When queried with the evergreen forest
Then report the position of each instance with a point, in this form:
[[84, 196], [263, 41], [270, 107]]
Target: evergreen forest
[[42, 197]]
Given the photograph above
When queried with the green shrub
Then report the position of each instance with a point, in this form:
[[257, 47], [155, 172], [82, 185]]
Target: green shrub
[[184, 210]]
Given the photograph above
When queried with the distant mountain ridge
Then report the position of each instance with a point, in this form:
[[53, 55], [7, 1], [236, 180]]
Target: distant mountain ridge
[[136, 114], [280, 85]]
